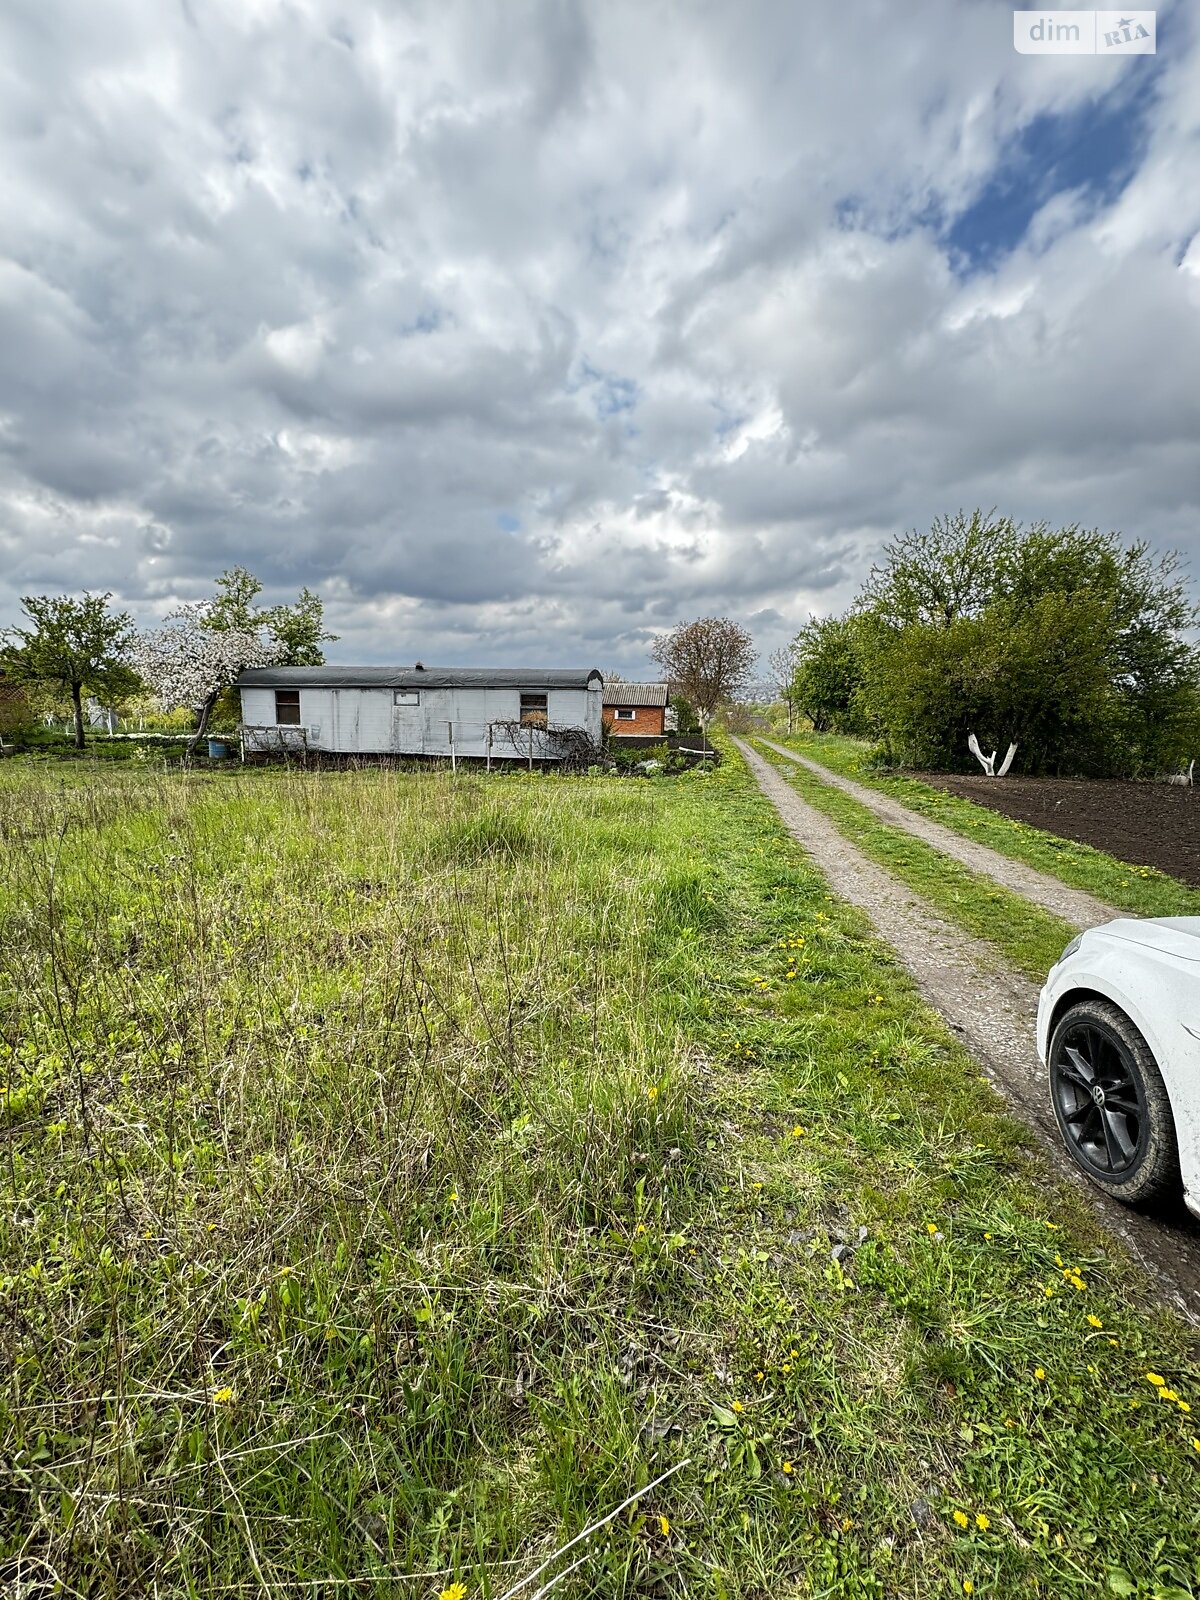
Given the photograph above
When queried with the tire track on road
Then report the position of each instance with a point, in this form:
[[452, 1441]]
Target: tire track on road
[[993, 1010], [1075, 906]]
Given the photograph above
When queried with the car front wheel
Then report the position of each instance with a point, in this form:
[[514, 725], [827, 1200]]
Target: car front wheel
[[1111, 1103]]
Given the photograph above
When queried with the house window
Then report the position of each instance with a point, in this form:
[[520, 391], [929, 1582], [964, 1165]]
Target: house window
[[624, 714], [287, 707], [406, 697], [533, 710]]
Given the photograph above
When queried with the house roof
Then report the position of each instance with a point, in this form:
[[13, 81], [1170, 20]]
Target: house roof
[[636, 694], [332, 676]]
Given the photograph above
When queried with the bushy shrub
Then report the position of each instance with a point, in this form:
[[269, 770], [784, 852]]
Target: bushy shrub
[[1064, 640]]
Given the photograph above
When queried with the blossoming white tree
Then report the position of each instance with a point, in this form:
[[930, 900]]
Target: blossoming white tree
[[189, 662]]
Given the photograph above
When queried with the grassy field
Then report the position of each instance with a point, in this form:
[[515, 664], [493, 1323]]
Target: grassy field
[[1140, 890], [401, 1174]]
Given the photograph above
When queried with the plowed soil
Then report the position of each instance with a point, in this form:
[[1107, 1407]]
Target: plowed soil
[[1149, 824]]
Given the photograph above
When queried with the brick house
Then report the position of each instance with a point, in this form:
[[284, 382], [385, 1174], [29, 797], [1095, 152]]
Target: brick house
[[636, 709]]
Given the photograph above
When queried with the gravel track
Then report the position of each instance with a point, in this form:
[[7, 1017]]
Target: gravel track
[[1075, 906], [993, 1011]]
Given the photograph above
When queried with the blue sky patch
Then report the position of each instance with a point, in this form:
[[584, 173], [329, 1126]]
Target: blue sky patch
[[1095, 149]]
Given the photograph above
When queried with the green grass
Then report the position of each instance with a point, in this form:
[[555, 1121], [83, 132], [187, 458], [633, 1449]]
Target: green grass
[[1027, 935], [401, 1172], [1141, 890]]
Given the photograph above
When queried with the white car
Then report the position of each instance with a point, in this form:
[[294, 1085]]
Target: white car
[[1119, 1032]]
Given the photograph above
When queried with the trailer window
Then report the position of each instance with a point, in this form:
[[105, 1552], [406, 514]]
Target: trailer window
[[533, 710], [287, 707], [406, 697]]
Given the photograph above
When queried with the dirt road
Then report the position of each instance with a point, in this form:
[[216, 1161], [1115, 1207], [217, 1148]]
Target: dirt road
[[1075, 906], [993, 1010]]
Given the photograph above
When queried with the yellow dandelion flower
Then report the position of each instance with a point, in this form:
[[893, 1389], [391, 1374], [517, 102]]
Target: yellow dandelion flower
[[799, 1131], [286, 1272], [786, 1466], [737, 1406], [787, 1366], [1039, 1372], [759, 1376], [1095, 1322], [452, 1196], [664, 1527], [962, 1519], [1156, 1380], [456, 1591], [931, 1228], [652, 1092], [222, 1397], [1183, 1406], [983, 1522], [1167, 1394], [968, 1586], [1196, 1444]]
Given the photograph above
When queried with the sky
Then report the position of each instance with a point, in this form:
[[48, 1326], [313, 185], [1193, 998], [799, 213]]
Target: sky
[[521, 332]]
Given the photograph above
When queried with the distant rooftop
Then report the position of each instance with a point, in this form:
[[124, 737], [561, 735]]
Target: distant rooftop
[[334, 676], [635, 694]]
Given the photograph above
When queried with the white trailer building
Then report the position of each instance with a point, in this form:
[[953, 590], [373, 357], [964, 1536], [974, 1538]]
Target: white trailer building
[[419, 711]]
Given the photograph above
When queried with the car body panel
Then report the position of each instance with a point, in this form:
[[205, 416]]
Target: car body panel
[[1150, 969]]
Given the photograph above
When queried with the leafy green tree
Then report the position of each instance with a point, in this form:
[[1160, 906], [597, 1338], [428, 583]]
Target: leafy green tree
[[80, 646], [935, 578], [829, 673], [299, 627], [1065, 640]]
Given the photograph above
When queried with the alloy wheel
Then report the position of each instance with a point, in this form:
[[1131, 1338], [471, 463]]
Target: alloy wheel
[[1099, 1098]]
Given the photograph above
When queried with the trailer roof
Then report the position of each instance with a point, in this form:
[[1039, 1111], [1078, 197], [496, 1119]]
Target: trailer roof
[[333, 676]]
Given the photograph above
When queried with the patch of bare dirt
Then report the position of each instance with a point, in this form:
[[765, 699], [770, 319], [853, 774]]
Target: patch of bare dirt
[[1149, 824]]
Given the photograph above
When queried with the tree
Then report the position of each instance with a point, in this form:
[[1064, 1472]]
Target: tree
[[939, 576], [828, 673], [298, 627], [79, 645], [709, 661], [1062, 639], [782, 663], [189, 662]]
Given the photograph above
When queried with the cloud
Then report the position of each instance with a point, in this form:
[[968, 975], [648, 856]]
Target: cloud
[[521, 331]]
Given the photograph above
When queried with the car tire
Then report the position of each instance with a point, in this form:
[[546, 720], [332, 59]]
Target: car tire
[[1111, 1104]]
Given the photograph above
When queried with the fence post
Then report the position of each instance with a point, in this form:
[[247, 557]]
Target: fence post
[[531, 747], [490, 731], [453, 757]]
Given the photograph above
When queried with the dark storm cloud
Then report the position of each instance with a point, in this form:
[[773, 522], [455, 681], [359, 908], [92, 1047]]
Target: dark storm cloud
[[524, 330]]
